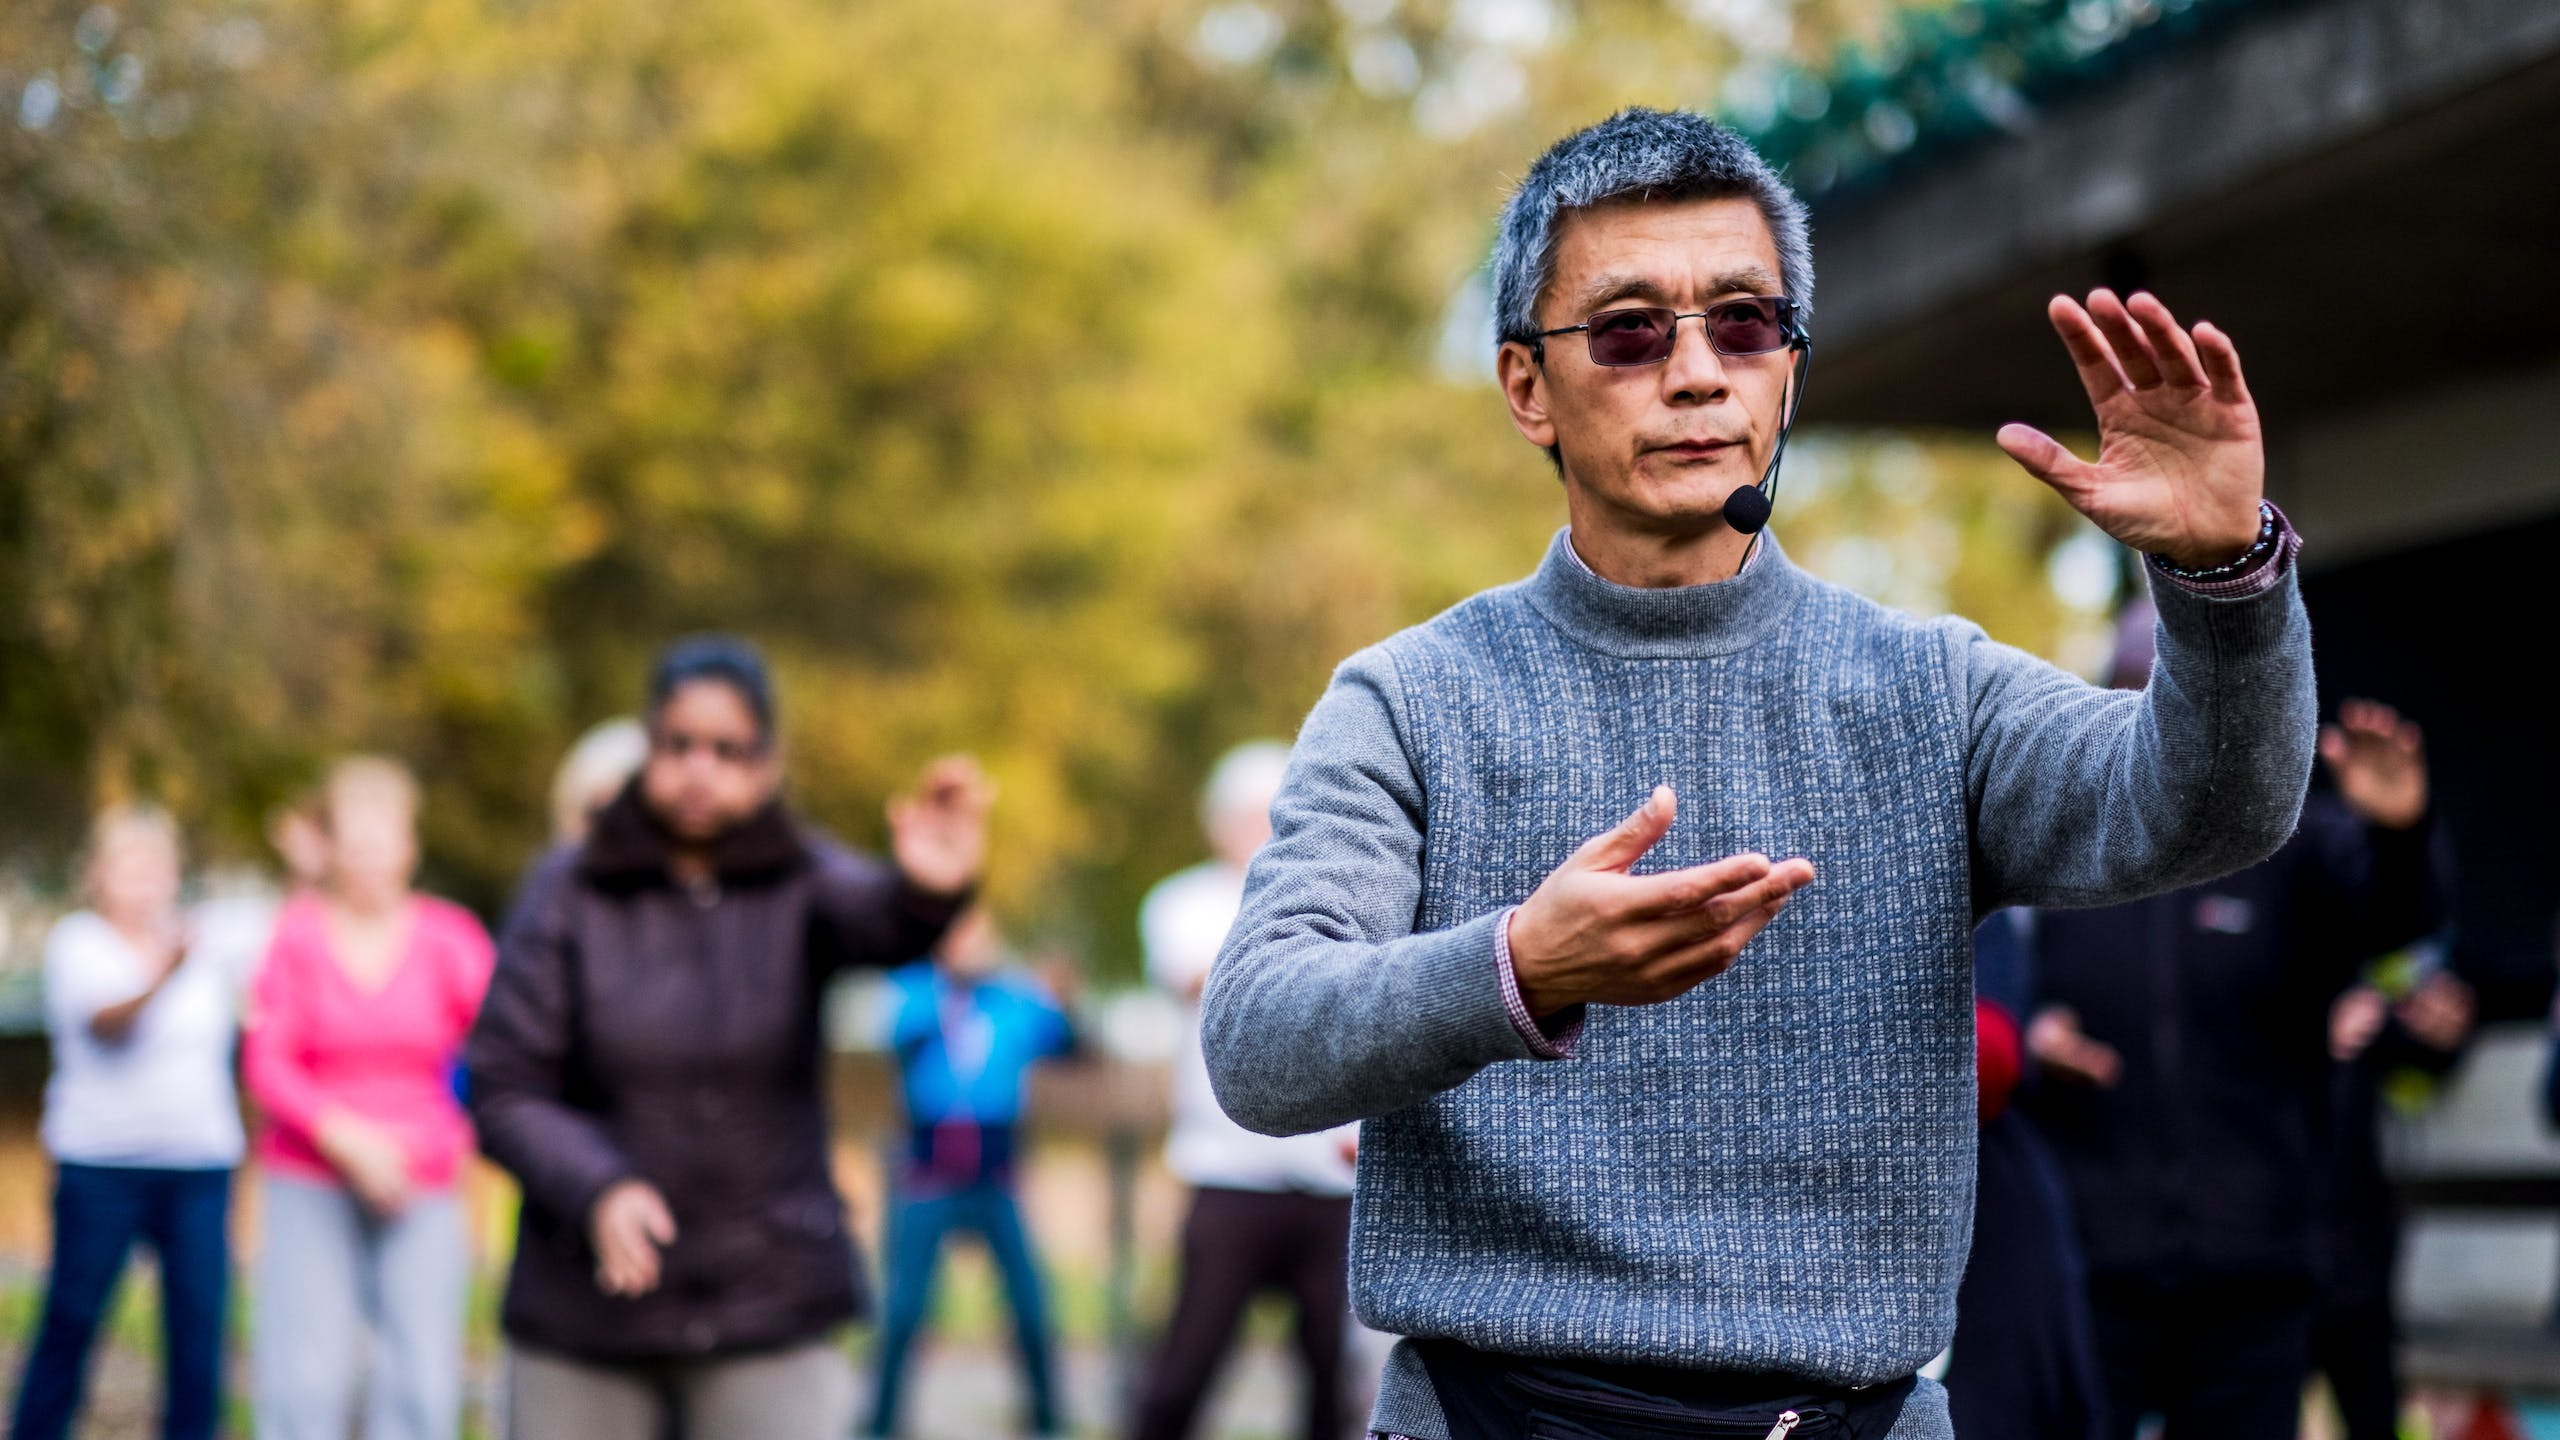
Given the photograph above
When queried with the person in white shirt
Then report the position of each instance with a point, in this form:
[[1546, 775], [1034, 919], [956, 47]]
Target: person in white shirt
[[1266, 1213], [142, 1002]]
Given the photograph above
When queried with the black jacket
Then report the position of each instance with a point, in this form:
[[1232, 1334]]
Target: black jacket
[[2204, 1161], [2359, 1230], [635, 1028]]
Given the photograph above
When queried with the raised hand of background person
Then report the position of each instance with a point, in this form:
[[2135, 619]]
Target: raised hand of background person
[[2355, 1017], [1592, 933], [2439, 1012], [938, 830], [2379, 761], [2181, 464], [628, 1225], [2055, 1040], [369, 1160]]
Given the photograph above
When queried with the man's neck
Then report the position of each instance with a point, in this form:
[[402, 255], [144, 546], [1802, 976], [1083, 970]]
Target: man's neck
[[1657, 561]]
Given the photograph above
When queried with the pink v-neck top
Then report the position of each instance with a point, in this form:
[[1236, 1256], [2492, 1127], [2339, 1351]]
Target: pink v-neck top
[[320, 1043]]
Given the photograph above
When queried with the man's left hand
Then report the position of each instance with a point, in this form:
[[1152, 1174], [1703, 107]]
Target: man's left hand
[[2380, 763], [2181, 464], [938, 831]]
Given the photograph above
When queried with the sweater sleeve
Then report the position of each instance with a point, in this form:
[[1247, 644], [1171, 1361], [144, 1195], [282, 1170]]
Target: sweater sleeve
[[1325, 1006], [471, 957], [867, 913], [518, 1059], [272, 1044], [2081, 796]]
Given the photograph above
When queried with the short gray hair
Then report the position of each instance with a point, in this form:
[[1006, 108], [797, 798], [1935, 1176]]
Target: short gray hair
[[1637, 154]]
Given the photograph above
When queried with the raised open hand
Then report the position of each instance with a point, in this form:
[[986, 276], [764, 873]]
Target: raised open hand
[[2379, 761], [2181, 465], [938, 831]]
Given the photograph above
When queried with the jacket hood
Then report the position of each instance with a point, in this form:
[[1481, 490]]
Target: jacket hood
[[630, 849]]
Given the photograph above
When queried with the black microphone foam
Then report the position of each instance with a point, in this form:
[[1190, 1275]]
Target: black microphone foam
[[1746, 509]]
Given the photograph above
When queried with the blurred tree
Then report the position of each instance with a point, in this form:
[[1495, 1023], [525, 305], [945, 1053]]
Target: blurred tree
[[1072, 382]]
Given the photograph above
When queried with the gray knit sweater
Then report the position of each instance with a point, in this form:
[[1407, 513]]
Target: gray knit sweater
[[1774, 1171]]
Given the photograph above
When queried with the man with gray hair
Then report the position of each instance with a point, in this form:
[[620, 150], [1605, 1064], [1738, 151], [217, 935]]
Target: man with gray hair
[[1266, 1213], [1621, 1175]]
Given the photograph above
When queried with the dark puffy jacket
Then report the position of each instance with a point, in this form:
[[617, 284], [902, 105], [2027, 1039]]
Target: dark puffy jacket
[[639, 1029], [2204, 1160]]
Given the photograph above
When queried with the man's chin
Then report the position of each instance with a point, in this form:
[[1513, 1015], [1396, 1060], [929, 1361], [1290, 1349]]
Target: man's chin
[[1664, 497], [1689, 501]]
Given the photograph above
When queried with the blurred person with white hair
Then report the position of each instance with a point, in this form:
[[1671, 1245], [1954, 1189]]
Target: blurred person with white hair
[[1266, 1213], [141, 1003]]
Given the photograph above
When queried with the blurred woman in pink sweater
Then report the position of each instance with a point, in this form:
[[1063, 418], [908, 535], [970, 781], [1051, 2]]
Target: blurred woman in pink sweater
[[354, 1028]]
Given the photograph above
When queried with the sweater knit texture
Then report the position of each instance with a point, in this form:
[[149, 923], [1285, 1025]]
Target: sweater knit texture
[[1775, 1171]]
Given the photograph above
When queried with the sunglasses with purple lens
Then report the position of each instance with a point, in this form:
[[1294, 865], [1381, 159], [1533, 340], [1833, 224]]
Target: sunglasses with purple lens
[[1647, 334]]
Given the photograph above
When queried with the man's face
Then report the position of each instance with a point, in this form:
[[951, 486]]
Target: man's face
[[711, 765], [1653, 449]]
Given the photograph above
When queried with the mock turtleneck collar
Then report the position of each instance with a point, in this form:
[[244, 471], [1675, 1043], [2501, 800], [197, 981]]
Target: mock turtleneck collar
[[1688, 620]]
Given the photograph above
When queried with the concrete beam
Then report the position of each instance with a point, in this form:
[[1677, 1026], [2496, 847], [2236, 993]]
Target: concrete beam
[[2188, 128]]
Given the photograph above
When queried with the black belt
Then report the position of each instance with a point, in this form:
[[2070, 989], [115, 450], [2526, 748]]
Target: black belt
[[1501, 1397]]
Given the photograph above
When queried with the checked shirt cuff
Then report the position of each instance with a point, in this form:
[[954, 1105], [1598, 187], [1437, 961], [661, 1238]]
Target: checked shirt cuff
[[1545, 1043], [2259, 578]]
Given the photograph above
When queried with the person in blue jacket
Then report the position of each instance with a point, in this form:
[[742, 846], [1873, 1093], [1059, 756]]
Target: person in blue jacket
[[965, 1037]]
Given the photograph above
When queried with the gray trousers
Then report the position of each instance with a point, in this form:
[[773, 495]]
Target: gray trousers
[[803, 1393], [329, 1272]]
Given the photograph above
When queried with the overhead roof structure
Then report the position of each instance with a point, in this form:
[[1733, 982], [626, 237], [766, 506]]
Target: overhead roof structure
[[2329, 180]]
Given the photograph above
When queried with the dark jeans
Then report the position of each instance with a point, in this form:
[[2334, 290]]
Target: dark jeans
[[2218, 1361], [1237, 1242], [917, 1229], [99, 1211]]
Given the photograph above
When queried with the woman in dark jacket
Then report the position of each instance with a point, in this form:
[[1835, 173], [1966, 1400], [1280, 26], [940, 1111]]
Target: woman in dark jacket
[[649, 1064]]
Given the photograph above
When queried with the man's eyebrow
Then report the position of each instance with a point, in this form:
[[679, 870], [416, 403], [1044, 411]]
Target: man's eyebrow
[[1607, 290], [1749, 280]]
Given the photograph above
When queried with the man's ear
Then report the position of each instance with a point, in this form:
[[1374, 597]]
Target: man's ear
[[1524, 388]]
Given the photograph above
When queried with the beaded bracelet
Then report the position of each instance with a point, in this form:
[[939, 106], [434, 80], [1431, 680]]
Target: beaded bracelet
[[2250, 558]]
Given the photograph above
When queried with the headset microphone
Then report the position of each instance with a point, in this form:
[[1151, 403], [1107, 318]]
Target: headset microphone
[[1747, 508]]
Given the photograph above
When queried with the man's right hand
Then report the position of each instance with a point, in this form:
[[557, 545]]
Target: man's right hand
[[628, 1225], [1594, 934]]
